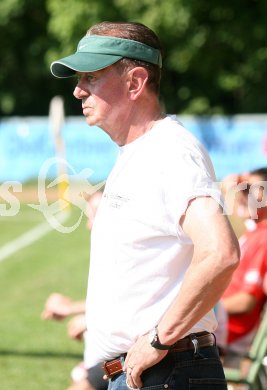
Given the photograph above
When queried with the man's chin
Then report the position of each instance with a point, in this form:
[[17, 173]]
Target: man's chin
[[90, 120]]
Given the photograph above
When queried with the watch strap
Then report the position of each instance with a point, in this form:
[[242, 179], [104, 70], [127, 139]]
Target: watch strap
[[155, 343]]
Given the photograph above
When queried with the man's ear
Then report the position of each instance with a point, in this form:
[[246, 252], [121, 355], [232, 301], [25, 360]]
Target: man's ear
[[136, 81]]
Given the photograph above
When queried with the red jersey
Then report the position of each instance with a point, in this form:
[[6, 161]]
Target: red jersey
[[248, 277]]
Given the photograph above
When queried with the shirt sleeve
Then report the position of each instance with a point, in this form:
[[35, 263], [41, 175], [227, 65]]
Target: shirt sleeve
[[189, 174]]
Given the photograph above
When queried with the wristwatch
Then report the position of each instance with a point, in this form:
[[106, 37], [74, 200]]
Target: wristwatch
[[154, 340]]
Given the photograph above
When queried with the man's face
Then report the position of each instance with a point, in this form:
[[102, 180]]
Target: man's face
[[103, 94], [253, 197]]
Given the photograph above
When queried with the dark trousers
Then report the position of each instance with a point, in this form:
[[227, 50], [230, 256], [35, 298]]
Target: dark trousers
[[181, 371]]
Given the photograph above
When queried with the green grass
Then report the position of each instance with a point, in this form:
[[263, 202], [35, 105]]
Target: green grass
[[37, 354]]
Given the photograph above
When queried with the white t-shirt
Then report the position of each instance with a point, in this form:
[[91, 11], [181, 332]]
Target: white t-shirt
[[139, 252]]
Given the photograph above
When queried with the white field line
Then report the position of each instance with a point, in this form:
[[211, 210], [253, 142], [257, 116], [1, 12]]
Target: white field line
[[29, 237]]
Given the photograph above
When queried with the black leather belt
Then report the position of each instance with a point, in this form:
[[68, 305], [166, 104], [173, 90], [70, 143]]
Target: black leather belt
[[190, 342]]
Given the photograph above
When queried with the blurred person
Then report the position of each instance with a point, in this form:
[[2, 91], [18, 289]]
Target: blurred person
[[245, 296], [158, 262], [265, 284], [59, 307], [233, 185]]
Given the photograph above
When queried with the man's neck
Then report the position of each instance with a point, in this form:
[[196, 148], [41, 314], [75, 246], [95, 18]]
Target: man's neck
[[139, 121]]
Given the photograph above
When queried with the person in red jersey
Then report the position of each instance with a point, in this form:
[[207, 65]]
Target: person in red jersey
[[244, 298]]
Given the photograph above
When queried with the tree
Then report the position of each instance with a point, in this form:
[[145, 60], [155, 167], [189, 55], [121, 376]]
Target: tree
[[26, 85], [215, 52]]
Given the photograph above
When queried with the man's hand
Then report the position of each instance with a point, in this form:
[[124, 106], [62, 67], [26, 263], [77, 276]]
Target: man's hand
[[77, 327], [140, 357], [57, 307]]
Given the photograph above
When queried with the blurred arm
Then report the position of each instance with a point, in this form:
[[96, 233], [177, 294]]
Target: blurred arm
[[240, 303], [59, 307], [77, 327]]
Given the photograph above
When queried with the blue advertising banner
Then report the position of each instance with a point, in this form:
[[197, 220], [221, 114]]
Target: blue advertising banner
[[235, 144], [27, 143]]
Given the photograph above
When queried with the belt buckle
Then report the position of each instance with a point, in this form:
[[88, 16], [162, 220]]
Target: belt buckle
[[112, 367], [104, 367]]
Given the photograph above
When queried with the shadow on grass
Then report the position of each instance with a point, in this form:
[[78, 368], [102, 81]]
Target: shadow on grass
[[41, 354]]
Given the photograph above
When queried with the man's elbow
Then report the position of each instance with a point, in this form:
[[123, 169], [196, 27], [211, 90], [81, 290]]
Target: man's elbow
[[231, 258]]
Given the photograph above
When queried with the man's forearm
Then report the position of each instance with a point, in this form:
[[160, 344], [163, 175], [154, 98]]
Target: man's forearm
[[200, 291]]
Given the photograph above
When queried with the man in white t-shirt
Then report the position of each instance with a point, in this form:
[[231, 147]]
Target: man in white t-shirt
[[162, 252]]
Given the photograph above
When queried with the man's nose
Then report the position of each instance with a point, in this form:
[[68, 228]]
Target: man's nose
[[80, 91]]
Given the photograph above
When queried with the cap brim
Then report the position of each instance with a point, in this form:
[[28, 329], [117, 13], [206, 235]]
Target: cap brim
[[82, 62]]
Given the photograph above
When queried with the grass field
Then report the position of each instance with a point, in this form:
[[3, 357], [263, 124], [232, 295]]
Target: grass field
[[37, 354]]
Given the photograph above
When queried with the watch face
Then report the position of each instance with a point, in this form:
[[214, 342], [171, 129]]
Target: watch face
[[152, 335]]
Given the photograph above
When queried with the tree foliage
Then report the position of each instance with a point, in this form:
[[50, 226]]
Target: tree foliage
[[214, 62]]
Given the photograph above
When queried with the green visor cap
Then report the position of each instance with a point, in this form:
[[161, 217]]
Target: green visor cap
[[95, 52]]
